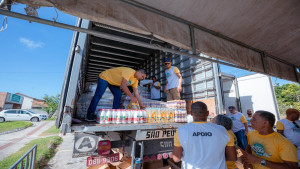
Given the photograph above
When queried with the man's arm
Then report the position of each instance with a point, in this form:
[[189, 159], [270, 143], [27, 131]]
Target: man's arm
[[137, 95], [126, 90], [156, 87], [177, 153], [246, 128], [179, 88], [252, 159], [285, 165], [245, 122], [165, 88], [230, 153], [248, 149]]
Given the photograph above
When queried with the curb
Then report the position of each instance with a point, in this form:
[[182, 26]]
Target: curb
[[14, 130]]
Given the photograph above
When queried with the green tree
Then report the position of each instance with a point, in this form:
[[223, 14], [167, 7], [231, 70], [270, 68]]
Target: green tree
[[288, 95], [51, 104]]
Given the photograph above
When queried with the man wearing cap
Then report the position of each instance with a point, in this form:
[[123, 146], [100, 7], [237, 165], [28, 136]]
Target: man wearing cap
[[240, 126], [290, 128], [174, 81], [116, 79]]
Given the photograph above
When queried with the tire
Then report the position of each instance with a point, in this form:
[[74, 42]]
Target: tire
[[34, 119], [2, 119]]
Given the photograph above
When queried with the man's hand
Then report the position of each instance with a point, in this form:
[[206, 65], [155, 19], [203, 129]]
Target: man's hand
[[165, 90], [245, 160], [179, 89], [246, 132], [133, 99], [142, 106]]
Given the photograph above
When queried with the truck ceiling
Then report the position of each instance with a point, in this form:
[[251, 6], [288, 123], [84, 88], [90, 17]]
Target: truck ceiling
[[260, 36], [103, 53]]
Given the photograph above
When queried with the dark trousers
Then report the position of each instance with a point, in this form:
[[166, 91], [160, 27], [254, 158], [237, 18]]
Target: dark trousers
[[101, 87], [241, 139]]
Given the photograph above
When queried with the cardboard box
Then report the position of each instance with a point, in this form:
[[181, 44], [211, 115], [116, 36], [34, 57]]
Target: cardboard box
[[211, 106], [126, 164], [102, 166], [153, 164]]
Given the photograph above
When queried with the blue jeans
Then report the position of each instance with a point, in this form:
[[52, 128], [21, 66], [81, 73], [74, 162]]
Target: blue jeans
[[241, 139], [101, 87]]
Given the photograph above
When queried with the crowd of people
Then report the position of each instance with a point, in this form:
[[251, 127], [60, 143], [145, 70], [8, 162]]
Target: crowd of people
[[206, 145], [202, 144]]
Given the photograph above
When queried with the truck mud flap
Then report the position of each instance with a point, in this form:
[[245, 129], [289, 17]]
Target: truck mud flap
[[85, 144]]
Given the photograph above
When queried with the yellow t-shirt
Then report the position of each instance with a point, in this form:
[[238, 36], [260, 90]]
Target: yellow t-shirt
[[243, 119], [114, 76], [232, 142], [272, 147], [232, 139], [279, 125], [176, 70]]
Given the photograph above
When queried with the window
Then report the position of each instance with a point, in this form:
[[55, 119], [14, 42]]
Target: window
[[22, 112], [11, 112]]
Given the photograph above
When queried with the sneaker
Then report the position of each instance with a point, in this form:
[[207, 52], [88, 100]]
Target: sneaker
[[90, 120]]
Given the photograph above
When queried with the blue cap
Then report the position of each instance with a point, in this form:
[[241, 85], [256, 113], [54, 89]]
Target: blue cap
[[167, 60]]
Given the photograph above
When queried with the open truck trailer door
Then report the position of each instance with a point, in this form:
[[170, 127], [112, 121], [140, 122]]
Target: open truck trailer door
[[134, 31]]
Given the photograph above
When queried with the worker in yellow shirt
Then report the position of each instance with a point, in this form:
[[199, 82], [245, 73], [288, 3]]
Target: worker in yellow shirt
[[116, 79], [267, 148], [290, 128], [226, 122]]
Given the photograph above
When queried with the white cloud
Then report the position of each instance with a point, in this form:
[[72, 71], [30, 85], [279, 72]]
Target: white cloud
[[30, 43]]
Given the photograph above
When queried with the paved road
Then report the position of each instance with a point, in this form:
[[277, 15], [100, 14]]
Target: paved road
[[63, 157], [10, 143]]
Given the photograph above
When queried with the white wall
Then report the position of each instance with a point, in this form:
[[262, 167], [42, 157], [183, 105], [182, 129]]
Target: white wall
[[229, 93], [257, 93], [27, 103]]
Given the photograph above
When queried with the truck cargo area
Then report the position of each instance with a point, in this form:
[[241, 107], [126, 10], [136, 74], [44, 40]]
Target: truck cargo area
[[95, 127]]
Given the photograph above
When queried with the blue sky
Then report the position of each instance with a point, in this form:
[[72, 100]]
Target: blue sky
[[33, 56]]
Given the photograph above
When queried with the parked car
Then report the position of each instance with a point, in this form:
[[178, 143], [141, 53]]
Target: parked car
[[20, 115]]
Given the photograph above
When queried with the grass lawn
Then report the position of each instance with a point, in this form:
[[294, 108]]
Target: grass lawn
[[51, 119], [42, 150], [51, 131], [10, 125]]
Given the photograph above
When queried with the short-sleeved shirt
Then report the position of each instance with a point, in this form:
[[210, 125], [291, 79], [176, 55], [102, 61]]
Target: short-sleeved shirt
[[232, 142], [238, 120], [290, 130], [155, 93], [272, 147], [115, 76], [172, 78], [203, 144]]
